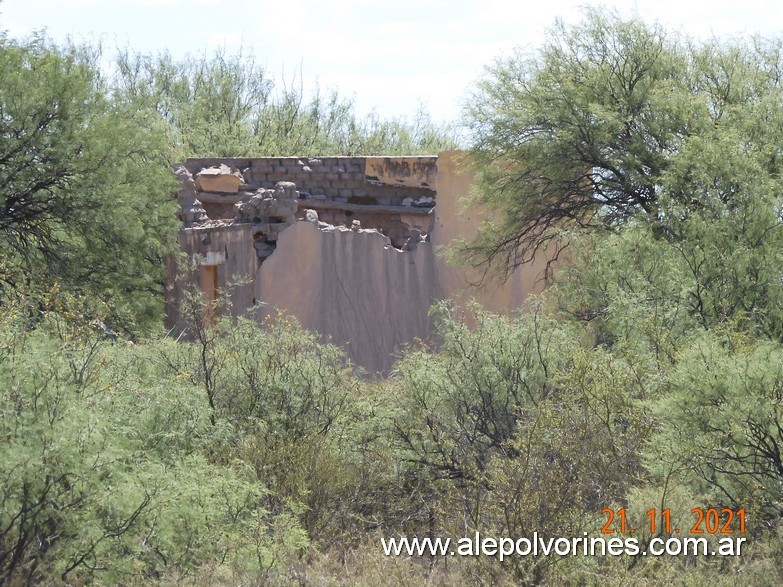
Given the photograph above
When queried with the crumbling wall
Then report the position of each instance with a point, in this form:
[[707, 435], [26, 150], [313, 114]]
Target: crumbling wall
[[392, 194], [351, 180], [228, 250], [354, 180], [346, 244], [353, 287]]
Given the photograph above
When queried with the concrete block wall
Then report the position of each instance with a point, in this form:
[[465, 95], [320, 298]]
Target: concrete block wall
[[341, 179]]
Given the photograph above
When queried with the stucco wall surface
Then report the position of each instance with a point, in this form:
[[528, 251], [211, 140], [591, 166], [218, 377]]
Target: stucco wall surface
[[352, 287], [456, 220]]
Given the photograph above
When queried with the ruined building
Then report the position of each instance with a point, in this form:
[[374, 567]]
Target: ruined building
[[351, 246]]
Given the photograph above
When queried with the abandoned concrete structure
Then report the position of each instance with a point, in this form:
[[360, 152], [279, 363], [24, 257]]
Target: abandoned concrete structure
[[348, 245]]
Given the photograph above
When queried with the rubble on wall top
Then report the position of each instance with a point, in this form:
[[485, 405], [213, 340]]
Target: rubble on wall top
[[394, 195], [410, 244], [220, 179]]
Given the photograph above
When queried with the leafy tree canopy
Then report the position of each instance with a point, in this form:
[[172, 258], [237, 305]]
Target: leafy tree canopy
[[614, 120], [83, 187], [228, 106]]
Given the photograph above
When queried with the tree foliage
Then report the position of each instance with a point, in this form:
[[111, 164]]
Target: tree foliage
[[613, 120], [83, 191], [107, 472], [227, 106]]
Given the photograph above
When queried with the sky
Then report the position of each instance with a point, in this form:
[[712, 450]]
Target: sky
[[391, 56]]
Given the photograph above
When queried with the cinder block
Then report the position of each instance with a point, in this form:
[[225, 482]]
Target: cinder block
[[345, 192]]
